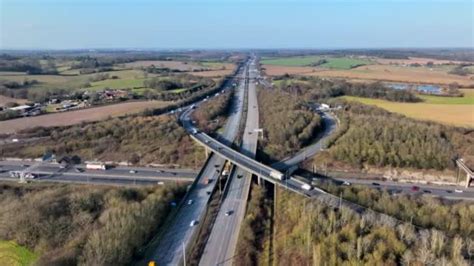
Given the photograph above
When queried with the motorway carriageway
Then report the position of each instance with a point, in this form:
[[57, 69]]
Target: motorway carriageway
[[177, 234], [222, 241], [117, 175]]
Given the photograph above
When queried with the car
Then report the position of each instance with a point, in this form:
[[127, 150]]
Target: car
[[375, 184], [193, 223], [239, 176], [132, 172], [229, 213], [415, 188], [208, 192], [457, 190], [190, 202], [345, 183], [159, 171], [250, 132], [395, 191], [216, 165], [426, 191], [79, 170], [449, 191], [161, 183]]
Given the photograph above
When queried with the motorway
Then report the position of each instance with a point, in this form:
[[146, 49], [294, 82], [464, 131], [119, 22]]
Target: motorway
[[78, 174], [167, 249], [407, 188], [221, 245]]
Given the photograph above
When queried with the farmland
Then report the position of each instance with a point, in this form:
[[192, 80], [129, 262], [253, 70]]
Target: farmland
[[5, 99], [329, 62], [75, 117], [432, 109], [379, 73]]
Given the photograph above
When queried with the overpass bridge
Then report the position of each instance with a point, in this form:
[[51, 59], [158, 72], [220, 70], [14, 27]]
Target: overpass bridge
[[251, 165]]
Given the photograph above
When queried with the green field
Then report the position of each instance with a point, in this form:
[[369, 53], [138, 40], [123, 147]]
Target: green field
[[291, 61], [117, 84], [332, 62], [467, 99], [12, 254]]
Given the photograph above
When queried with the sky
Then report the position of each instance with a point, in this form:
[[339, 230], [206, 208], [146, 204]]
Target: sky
[[235, 24]]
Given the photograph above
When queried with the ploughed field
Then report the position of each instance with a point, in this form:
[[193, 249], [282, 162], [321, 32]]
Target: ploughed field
[[75, 117]]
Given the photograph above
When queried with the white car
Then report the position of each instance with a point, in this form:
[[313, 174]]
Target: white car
[[345, 183], [193, 223], [133, 172], [161, 183], [190, 202], [457, 190]]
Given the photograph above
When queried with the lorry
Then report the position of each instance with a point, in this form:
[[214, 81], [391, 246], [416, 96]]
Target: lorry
[[277, 175], [96, 166], [306, 187]]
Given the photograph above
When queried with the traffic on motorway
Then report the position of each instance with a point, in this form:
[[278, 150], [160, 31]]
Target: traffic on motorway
[[167, 249], [54, 172]]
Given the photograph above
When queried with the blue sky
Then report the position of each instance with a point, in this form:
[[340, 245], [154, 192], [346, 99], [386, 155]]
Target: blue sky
[[66, 24]]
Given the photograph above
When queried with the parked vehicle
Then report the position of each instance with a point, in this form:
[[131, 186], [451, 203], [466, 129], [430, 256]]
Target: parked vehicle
[[306, 187], [193, 223]]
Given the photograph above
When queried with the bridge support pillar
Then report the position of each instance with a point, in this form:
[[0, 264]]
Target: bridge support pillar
[[468, 180]]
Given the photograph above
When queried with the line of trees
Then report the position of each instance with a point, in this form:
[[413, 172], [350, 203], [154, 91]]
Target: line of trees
[[314, 89], [451, 217], [379, 138], [212, 114], [254, 227], [309, 233], [83, 225], [138, 140]]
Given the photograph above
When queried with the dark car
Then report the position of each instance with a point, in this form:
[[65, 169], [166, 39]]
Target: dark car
[[375, 184], [427, 191]]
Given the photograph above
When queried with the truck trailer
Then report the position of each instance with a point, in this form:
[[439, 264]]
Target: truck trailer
[[96, 166], [277, 175]]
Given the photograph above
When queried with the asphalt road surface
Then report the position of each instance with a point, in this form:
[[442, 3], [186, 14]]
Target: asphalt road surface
[[221, 245], [179, 233], [448, 192], [79, 174]]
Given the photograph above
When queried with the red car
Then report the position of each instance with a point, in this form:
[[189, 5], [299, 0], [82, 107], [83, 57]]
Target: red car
[[415, 188]]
